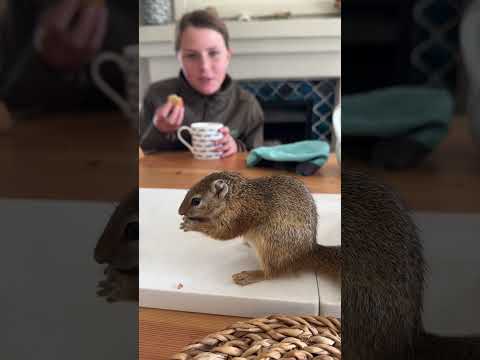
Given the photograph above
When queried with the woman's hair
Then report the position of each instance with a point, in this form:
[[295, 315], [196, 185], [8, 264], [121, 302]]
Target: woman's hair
[[200, 19]]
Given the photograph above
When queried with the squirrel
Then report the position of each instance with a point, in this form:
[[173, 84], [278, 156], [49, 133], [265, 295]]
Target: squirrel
[[381, 258], [276, 215], [118, 247]]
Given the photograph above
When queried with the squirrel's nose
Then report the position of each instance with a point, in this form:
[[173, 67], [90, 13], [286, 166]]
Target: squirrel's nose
[[101, 257], [182, 209]]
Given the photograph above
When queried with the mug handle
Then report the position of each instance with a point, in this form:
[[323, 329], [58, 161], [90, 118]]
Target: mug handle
[[179, 135], [103, 85]]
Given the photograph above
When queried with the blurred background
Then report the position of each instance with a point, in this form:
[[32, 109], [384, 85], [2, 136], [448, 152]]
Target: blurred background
[[410, 94], [68, 155], [409, 88]]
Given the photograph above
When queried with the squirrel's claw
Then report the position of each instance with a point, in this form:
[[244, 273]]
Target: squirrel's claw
[[118, 286], [248, 277], [187, 224], [183, 226]]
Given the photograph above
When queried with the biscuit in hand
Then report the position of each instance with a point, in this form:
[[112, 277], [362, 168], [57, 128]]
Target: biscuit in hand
[[175, 100]]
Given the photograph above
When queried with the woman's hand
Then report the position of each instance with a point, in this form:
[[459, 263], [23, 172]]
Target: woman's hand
[[168, 117], [66, 41], [226, 145]]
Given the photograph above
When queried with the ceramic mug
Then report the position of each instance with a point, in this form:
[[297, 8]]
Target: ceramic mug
[[204, 135], [128, 63]]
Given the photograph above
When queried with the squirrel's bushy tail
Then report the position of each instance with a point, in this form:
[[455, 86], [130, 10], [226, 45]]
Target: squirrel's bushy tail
[[326, 260], [434, 347]]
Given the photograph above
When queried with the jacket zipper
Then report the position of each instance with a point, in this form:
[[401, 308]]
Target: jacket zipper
[[205, 110]]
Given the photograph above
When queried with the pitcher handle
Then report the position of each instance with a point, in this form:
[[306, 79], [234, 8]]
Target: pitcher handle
[[103, 85]]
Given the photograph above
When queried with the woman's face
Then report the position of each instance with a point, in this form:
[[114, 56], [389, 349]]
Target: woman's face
[[204, 58]]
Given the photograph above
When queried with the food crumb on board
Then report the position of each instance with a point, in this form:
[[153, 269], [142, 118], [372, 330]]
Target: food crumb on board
[[179, 286]]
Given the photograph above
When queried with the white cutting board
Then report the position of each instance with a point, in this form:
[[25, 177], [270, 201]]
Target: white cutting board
[[169, 257]]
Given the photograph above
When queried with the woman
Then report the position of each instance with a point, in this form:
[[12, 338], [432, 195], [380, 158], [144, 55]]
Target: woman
[[208, 92]]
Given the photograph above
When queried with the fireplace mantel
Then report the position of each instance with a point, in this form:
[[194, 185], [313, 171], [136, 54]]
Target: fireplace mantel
[[296, 48]]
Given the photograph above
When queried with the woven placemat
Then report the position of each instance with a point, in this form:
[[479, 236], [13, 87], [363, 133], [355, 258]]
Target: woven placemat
[[273, 337]]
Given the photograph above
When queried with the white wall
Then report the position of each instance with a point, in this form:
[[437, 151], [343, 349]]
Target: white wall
[[232, 8], [277, 49]]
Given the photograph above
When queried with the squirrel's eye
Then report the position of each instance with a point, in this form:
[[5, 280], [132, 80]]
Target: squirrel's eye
[[195, 201]]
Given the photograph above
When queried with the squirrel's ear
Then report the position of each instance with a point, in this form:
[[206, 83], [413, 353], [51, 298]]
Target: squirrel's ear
[[220, 188]]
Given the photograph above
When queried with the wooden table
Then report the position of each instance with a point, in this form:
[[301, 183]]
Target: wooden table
[[164, 332], [180, 170], [91, 156]]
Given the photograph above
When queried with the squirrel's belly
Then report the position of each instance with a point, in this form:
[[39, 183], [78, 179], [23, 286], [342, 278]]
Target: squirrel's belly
[[255, 240]]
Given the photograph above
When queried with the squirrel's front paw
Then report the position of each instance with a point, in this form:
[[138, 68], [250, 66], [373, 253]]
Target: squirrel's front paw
[[188, 224], [118, 286]]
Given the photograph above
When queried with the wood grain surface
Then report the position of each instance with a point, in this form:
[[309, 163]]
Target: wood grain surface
[[180, 170], [69, 156], [164, 332]]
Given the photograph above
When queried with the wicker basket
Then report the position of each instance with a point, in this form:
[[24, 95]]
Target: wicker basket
[[273, 337]]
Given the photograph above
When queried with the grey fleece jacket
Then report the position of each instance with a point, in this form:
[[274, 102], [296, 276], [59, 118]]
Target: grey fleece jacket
[[231, 106]]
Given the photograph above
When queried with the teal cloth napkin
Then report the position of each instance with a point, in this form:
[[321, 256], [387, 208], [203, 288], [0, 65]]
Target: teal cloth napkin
[[420, 113], [313, 151]]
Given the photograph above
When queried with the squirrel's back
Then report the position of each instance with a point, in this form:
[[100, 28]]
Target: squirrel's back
[[281, 199]]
